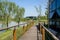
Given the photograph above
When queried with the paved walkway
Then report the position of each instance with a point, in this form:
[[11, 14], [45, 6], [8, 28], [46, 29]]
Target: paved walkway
[[31, 34]]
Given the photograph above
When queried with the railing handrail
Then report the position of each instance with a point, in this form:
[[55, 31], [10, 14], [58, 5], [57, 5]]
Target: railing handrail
[[49, 32], [24, 28], [12, 26]]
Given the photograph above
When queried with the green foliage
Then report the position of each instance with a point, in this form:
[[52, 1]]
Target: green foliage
[[6, 10], [19, 14], [38, 9], [9, 9], [8, 35], [19, 32], [46, 13], [43, 17]]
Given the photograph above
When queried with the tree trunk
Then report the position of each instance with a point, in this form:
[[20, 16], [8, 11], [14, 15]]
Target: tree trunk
[[18, 22], [2, 25], [7, 21], [3, 21]]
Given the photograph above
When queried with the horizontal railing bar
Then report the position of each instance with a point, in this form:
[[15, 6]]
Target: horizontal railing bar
[[11, 27], [49, 32]]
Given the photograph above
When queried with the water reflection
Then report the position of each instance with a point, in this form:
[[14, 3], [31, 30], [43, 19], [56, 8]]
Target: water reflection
[[12, 23]]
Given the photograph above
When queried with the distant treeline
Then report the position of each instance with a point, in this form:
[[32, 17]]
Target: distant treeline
[[35, 18]]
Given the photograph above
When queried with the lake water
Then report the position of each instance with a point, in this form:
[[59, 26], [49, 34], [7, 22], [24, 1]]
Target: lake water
[[12, 23]]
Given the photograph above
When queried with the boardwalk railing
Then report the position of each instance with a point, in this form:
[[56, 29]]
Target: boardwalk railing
[[46, 34], [25, 28]]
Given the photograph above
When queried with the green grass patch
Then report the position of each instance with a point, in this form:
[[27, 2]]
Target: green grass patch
[[19, 32], [8, 34], [5, 34]]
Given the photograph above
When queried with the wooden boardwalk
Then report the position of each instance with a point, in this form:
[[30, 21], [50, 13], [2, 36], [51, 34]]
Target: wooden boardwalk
[[31, 34]]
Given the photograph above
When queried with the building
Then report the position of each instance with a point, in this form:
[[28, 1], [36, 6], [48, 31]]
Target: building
[[54, 15], [31, 17]]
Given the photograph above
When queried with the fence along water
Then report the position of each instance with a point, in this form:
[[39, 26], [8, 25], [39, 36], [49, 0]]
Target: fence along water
[[16, 30]]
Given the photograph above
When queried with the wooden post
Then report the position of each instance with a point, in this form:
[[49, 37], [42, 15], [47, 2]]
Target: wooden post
[[23, 27], [43, 33], [40, 28], [14, 33], [27, 26]]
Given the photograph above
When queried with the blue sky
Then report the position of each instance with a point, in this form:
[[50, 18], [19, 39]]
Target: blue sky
[[29, 6]]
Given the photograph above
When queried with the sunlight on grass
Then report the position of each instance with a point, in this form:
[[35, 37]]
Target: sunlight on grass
[[8, 35]]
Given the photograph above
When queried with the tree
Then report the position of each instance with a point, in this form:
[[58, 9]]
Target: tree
[[19, 15], [38, 9], [11, 10], [46, 13], [2, 13], [7, 9]]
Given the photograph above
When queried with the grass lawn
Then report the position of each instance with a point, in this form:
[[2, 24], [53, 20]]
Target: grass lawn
[[8, 34], [5, 34], [43, 20]]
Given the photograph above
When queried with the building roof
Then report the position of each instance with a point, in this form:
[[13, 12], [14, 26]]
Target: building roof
[[58, 11], [53, 13]]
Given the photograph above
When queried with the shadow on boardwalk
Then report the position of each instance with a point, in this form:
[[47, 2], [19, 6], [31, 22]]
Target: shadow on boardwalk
[[31, 34]]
